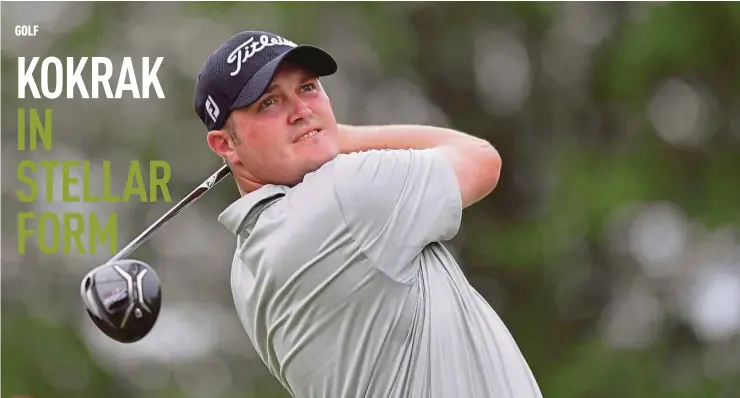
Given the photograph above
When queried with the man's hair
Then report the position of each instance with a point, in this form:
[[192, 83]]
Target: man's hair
[[231, 131]]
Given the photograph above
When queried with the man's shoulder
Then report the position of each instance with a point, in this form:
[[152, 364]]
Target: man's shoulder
[[341, 169], [364, 170], [369, 155], [347, 183], [314, 196]]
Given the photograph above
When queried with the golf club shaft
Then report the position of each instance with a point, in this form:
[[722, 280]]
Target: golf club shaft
[[187, 201]]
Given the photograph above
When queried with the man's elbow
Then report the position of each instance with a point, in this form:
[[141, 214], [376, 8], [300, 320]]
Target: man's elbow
[[477, 165], [479, 171], [490, 166]]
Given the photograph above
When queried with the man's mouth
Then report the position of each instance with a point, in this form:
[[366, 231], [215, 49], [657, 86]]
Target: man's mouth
[[308, 135]]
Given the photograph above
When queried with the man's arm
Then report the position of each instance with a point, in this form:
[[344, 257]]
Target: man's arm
[[475, 162]]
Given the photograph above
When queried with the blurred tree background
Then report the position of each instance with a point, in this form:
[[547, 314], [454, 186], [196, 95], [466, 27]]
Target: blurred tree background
[[610, 248]]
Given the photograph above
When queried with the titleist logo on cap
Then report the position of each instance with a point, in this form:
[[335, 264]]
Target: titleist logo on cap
[[250, 47]]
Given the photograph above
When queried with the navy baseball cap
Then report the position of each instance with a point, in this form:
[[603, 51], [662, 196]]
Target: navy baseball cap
[[241, 69]]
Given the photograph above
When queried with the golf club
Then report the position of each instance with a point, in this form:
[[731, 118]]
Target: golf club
[[123, 297]]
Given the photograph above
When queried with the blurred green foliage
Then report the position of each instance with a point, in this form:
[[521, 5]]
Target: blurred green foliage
[[524, 238]]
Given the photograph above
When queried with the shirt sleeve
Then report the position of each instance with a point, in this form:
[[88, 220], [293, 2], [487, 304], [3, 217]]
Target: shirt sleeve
[[396, 202]]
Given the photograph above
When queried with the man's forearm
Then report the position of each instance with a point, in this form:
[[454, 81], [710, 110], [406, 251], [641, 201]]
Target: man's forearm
[[362, 138]]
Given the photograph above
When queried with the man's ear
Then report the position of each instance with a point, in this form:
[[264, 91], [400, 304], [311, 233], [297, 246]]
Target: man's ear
[[222, 146]]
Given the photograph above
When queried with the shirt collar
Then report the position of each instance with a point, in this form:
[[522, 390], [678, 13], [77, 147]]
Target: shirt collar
[[233, 217]]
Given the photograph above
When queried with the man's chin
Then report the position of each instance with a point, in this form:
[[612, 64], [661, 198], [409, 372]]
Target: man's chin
[[311, 163], [318, 163]]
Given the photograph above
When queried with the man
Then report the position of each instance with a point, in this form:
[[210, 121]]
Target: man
[[338, 277]]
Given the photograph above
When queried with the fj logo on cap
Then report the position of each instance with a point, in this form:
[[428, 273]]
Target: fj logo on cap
[[250, 47], [212, 108]]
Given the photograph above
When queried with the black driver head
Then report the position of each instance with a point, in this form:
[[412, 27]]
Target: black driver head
[[123, 298]]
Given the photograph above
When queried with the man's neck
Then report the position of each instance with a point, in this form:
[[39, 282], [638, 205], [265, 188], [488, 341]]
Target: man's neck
[[244, 184]]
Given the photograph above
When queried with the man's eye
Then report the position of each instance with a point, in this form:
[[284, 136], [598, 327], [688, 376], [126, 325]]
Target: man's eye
[[264, 104], [308, 87]]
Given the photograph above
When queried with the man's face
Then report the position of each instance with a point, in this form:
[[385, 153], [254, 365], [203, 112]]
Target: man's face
[[288, 132]]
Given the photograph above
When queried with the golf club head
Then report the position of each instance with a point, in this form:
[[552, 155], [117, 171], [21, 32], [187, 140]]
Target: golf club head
[[123, 299]]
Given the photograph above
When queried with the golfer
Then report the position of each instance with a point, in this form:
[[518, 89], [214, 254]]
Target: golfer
[[339, 277]]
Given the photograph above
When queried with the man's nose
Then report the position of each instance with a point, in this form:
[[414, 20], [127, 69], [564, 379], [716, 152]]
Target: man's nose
[[301, 111]]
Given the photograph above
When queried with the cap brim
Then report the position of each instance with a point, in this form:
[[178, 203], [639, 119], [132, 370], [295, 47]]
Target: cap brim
[[314, 59]]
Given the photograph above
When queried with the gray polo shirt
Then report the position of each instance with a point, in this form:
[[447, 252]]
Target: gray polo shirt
[[345, 291]]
